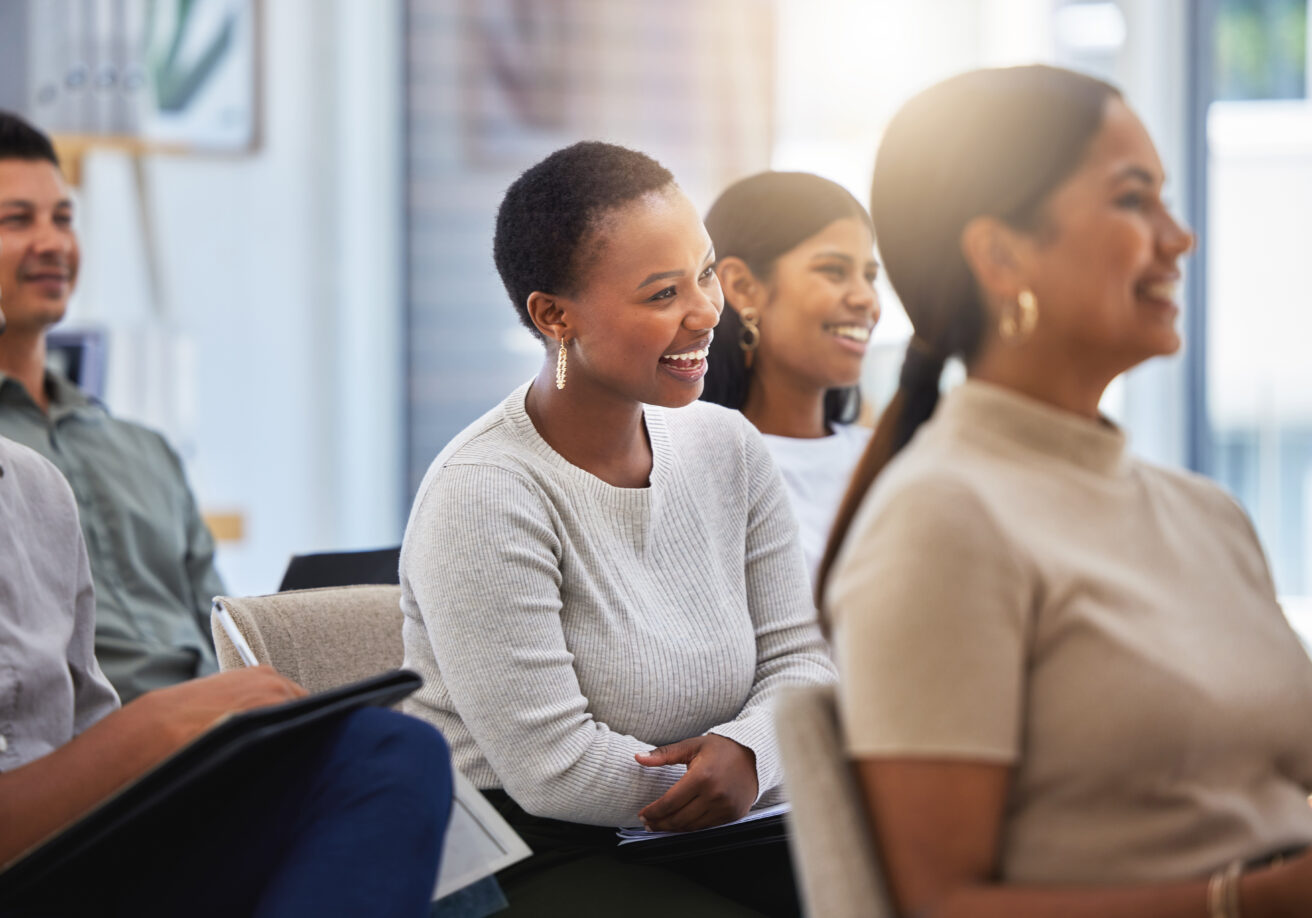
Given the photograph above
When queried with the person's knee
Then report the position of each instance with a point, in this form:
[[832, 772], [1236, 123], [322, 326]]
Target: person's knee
[[389, 734], [401, 751]]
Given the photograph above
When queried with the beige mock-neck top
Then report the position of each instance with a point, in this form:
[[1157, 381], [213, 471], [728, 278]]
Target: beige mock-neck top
[[1017, 588]]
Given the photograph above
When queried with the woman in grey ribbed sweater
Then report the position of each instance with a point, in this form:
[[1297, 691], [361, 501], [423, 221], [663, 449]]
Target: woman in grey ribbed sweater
[[602, 593]]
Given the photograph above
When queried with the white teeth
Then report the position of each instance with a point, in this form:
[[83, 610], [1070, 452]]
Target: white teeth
[[1160, 290], [855, 332], [691, 355]]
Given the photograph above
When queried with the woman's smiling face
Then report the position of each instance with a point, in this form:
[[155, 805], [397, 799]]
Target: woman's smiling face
[[647, 300], [1104, 267], [821, 307]]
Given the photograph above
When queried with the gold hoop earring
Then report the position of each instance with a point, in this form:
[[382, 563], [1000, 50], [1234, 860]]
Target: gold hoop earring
[[750, 336], [1021, 325], [561, 360]]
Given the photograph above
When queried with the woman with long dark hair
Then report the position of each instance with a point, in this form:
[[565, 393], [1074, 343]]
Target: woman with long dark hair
[[794, 257], [1067, 684]]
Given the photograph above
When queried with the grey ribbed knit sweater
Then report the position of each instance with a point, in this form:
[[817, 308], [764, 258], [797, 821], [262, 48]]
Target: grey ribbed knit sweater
[[562, 624]]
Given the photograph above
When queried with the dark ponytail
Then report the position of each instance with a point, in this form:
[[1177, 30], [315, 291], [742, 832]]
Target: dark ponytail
[[912, 404], [985, 143]]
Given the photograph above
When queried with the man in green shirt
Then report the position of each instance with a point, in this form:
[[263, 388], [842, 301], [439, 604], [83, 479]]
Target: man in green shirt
[[152, 558]]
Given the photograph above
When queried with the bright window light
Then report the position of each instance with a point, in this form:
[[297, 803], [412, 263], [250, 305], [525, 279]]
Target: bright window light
[[1097, 27]]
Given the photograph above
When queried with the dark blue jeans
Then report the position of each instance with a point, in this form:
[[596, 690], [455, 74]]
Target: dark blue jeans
[[344, 820]]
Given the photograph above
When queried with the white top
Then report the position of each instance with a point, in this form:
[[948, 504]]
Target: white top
[[1017, 589], [815, 472], [562, 624]]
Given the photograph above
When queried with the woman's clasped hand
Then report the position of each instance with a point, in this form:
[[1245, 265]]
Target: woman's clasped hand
[[719, 786]]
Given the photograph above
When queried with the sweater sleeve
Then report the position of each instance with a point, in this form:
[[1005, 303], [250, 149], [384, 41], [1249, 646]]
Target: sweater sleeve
[[932, 607], [790, 649], [483, 560]]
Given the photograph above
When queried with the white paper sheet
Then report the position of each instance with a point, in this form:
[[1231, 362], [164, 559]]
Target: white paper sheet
[[478, 841]]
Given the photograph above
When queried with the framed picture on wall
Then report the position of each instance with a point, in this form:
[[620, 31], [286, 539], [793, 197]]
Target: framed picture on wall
[[203, 59], [175, 75]]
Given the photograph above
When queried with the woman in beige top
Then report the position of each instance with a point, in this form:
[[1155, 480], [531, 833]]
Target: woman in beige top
[[1066, 681]]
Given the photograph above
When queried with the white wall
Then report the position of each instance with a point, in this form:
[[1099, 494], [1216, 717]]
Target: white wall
[[270, 351]]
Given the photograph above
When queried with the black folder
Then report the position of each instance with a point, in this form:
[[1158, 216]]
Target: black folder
[[233, 736]]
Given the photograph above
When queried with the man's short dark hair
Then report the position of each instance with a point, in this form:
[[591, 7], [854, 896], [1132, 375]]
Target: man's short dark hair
[[554, 208], [19, 140]]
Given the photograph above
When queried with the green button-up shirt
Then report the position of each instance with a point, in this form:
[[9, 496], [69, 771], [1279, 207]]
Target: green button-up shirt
[[152, 558]]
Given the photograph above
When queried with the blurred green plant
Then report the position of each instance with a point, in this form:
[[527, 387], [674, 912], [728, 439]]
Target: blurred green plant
[[177, 82]]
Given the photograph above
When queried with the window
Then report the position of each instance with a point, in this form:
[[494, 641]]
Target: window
[[1257, 363]]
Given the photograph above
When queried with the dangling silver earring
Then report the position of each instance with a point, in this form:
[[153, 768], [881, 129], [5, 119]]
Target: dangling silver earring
[[561, 359]]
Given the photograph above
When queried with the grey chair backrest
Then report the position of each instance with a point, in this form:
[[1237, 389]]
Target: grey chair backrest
[[319, 638], [833, 849]]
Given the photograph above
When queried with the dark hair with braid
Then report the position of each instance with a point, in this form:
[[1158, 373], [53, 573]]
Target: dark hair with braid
[[992, 143], [758, 219]]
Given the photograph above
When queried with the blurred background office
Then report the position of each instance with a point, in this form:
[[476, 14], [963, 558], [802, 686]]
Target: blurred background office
[[286, 209]]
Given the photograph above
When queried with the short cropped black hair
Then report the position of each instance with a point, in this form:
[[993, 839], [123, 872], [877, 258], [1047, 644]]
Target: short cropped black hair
[[19, 140], [555, 207]]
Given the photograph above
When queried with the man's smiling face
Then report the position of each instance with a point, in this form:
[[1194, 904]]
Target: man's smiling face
[[39, 254]]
